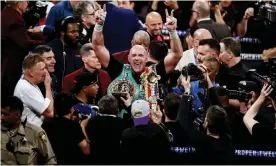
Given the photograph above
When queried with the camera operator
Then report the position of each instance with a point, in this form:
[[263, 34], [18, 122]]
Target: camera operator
[[213, 145], [197, 89], [68, 137], [256, 129], [232, 70]]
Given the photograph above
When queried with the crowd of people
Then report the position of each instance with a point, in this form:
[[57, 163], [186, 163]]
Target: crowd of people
[[97, 82]]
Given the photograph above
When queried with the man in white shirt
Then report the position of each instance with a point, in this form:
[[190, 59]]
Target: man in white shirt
[[36, 107], [189, 56]]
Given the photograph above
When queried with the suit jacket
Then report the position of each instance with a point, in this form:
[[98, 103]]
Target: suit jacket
[[119, 27], [218, 31], [16, 42], [104, 81]]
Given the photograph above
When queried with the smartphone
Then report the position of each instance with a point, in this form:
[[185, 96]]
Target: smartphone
[[118, 95]]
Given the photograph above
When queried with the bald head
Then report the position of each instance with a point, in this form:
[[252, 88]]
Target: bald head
[[141, 38], [202, 7], [137, 47], [137, 58], [154, 23], [200, 34]]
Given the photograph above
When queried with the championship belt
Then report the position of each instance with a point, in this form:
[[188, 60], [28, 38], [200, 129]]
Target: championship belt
[[125, 83], [150, 84]]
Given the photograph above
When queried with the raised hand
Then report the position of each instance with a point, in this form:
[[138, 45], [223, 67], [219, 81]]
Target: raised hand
[[171, 4], [265, 92], [127, 101], [186, 83], [248, 13], [156, 115], [48, 79], [171, 22], [204, 70], [100, 14]]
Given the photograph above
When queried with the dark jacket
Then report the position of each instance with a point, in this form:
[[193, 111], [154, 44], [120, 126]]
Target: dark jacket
[[145, 144], [15, 42], [119, 28], [104, 133], [218, 31], [67, 58], [209, 150]]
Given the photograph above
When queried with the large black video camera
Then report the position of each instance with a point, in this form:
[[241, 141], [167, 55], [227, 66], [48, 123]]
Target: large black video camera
[[265, 11], [234, 94], [192, 71], [36, 11], [261, 80]]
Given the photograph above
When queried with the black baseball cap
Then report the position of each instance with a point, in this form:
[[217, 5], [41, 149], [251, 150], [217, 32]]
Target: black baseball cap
[[82, 80]]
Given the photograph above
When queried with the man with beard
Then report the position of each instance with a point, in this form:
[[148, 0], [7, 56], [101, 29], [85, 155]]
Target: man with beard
[[66, 49], [154, 26], [137, 57]]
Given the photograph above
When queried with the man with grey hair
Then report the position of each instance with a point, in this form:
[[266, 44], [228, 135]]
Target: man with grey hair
[[201, 14], [189, 56], [139, 38], [84, 12], [105, 132], [92, 65]]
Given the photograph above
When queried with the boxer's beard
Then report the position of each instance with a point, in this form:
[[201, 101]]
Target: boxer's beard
[[69, 42]]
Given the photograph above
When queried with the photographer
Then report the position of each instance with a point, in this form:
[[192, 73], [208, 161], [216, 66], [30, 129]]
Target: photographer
[[197, 89], [213, 146], [67, 136], [256, 129]]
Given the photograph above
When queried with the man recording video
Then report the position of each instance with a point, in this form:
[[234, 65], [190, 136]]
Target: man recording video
[[214, 147], [264, 133]]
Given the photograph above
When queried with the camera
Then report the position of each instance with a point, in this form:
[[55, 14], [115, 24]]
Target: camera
[[252, 75], [270, 68], [265, 11], [36, 11], [82, 111], [234, 94], [192, 71]]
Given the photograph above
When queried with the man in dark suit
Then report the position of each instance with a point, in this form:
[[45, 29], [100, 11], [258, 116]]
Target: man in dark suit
[[16, 42], [119, 27], [201, 13], [92, 65]]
